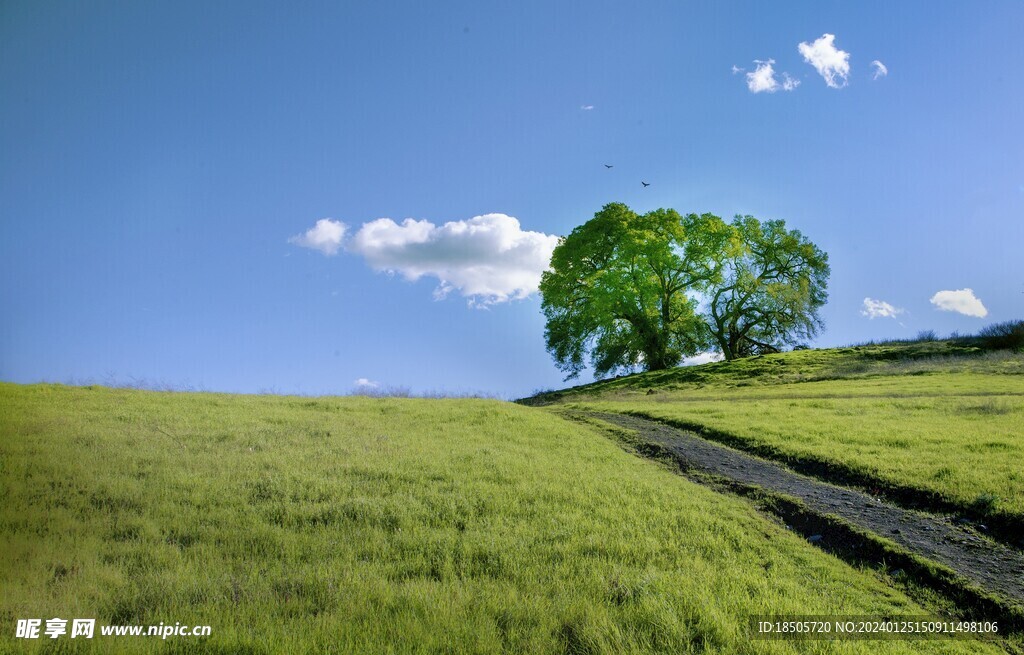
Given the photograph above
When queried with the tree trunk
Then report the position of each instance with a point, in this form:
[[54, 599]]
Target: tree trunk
[[727, 350], [654, 352]]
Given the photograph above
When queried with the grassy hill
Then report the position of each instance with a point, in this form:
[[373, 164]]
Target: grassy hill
[[935, 423], [400, 525]]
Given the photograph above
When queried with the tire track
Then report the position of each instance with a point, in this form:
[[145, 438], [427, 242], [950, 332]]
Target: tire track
[[989, 565]]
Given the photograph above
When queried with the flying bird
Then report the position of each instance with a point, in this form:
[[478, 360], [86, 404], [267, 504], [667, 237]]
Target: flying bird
[[608, 165], [644, 183]]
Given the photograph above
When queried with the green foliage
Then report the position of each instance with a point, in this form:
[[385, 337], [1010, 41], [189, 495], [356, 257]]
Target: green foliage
[[774, 283], [623, 290], [359, 525]]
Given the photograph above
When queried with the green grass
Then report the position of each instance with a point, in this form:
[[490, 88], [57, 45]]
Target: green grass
[[387, 525], [936, 418]]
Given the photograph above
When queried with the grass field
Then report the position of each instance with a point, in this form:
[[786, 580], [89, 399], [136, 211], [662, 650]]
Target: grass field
[[932, 417], [387, 526]]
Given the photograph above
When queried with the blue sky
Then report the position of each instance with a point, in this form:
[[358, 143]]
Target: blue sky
[[160, 162]]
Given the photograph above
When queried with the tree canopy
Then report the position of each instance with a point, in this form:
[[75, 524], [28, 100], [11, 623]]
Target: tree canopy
[[628, 290], [772, 286]]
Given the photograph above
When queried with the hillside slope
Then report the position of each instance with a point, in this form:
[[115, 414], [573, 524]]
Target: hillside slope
[[386, 525], [935, 424]]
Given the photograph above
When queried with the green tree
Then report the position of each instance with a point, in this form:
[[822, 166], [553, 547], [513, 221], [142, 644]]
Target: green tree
[[622, 289], [627, 290], [773, 284]]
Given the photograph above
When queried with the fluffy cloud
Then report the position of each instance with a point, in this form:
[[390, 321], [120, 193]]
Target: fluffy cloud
[[879, 309], [830, 62], [962, 301], [762, 79], [366, 383], [326, 236], [880, 69], [487, 259]]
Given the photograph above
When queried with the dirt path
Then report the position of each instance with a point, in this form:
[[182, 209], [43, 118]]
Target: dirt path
[[990, 565]]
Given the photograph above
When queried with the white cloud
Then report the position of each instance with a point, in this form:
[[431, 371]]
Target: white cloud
[[762, 79], [737, 69], [829, 61], [487, 259], [366, 383], [702, 358], [586, 107], [326, 236], [880, 70], [879, 309], [962, 301]]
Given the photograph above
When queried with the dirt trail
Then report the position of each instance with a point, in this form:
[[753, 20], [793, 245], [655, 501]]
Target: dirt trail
[[990, 565]]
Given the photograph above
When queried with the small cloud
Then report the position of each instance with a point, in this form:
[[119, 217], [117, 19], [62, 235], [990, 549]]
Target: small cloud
[[702, 358], [962, 301], [326, 236], [366, 383], [879, 309], [880, 69], [586, 107], [737, 69], [830, 62], [762, 79]]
